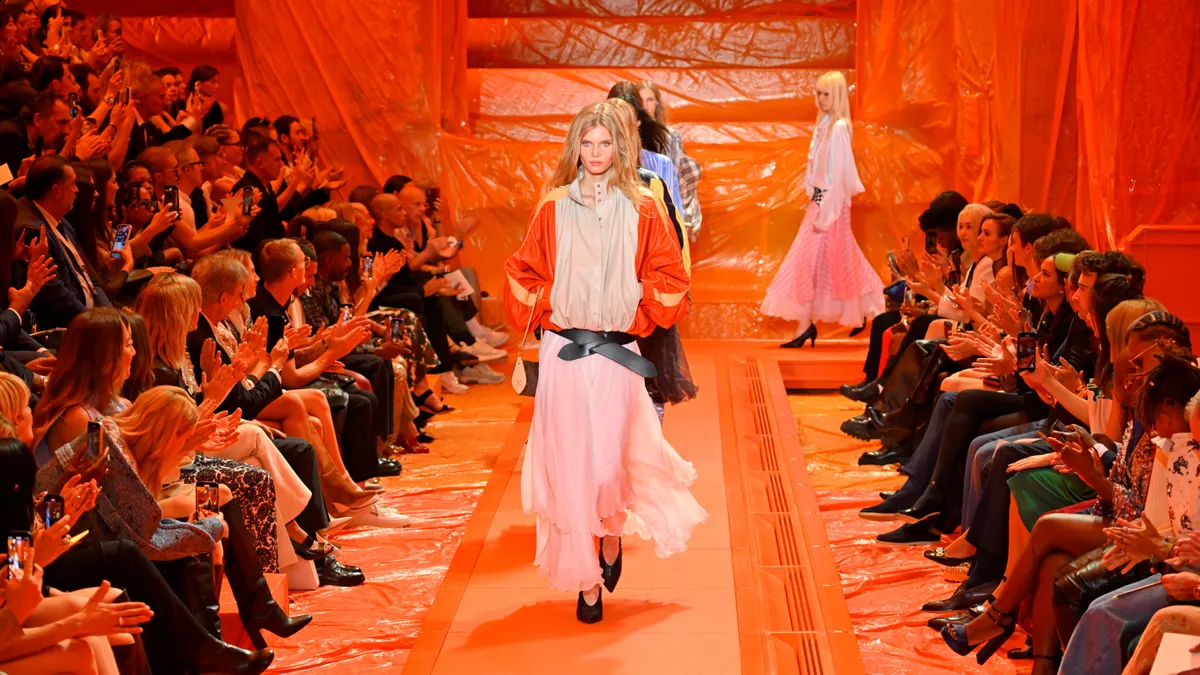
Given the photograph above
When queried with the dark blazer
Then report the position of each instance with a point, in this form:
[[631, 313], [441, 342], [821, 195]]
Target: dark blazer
[[62, 299], [146, 135], [251, 401], [13, 336], [14, 144], [269, 223]]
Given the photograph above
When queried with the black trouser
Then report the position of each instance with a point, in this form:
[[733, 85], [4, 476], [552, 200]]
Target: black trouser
[[989, 529], [879, 325], [973, 408], [358, 435], [173, 636], [458, 313], [303, 460], [383, 384]]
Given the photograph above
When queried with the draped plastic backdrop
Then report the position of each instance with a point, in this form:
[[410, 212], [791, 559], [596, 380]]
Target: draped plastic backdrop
[[1082, 108]]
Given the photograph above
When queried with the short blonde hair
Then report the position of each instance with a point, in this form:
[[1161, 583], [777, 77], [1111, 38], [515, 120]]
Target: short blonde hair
[[975, 213], [14, 396], [217, 274], [320, 214]]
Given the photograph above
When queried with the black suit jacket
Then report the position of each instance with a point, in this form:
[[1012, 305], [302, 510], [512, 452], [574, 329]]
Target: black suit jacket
[[14, 144], [251, 401], [269, 223], [146, 135], [62, 299]]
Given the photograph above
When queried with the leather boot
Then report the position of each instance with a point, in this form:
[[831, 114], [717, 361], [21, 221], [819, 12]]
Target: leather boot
[[916, 405], [199, 592], [256, 607], [217, 657]]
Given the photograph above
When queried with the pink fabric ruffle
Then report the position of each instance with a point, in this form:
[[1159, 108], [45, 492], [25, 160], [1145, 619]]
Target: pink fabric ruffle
[[597, 464]]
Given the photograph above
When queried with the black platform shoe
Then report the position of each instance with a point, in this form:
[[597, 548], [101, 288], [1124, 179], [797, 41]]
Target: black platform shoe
[[809, 335], [590, 613], [611, 573]]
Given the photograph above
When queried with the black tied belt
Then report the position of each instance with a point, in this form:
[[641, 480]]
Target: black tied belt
[[606, 344]]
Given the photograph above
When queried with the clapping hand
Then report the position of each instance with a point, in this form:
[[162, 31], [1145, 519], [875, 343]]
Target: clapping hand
[[226, 377], [51, 542], [1187, 551], [110, 618], [1133, 542], [1003, 361]]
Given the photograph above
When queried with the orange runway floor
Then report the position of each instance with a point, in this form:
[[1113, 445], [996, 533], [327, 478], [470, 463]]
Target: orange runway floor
[[884, 585], [758, 593]]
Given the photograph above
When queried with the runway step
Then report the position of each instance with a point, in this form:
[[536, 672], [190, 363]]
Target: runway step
[[661, 42]]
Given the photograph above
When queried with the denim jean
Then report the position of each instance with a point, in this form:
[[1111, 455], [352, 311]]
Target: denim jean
[[921, 465], [1110, 625]]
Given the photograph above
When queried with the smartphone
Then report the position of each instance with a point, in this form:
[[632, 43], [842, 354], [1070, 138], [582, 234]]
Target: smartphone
[[247, 201], [1026, 351], [931, 243], [208, 498], [347, 313], [397, 329], [73, 102], [120, 239], [128, 92], [39, 148], [432, 195], [171, 197], [95, 438], [52, 510], [367, 264], [894, 265], [18, 543], [275, 325]]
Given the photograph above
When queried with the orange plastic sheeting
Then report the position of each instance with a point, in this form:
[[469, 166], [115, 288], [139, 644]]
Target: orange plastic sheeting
[[644, 8], [1139, 105], [132, 8], [177, 40], [884, 585], [369, 629], [758, 94], [369, 71], [537, 130], [661, 43], [753, 201]]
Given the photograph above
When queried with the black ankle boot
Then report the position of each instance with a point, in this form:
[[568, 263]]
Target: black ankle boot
[[217, 657], [863, 393], [257, 609]]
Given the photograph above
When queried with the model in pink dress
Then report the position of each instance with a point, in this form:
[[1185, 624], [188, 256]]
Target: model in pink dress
[[599, 267], [825, 276]]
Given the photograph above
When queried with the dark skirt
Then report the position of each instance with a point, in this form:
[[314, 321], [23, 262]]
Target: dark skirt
[[674, 382]]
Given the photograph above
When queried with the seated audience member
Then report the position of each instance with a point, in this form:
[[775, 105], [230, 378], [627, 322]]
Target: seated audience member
[[49, 195], [264, 162], [42, 125], [149, 102], [203, 85]]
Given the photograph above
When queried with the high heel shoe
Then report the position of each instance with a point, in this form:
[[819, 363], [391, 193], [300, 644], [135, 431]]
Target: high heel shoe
[[809, 335], [590, 613], [858, 330], [311, 549], [421, 403], [217, 657], [611, 573], [955, 635]]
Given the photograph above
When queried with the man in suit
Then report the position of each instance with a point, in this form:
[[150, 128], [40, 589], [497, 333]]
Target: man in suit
[[149, 101], [264, 161], [49, 195], [44, 124]]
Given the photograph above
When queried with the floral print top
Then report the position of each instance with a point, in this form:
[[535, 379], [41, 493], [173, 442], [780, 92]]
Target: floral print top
[[1183, 483], [1130, 475]]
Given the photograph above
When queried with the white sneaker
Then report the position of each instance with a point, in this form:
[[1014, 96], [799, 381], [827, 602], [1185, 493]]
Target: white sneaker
[[481, 374], [494, 338], [378, 515], [451, 385], [483, 352]]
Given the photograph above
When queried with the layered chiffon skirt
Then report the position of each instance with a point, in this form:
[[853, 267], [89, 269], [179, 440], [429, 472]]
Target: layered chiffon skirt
[[597, 464]]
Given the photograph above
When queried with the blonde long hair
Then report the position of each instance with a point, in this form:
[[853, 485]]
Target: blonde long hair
[[839, 94], [1121, 317], [623, 174], [661, 113], [627, 113], [168, 304], [148, 427]]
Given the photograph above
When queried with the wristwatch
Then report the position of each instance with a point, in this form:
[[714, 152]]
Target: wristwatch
[[111, 100]]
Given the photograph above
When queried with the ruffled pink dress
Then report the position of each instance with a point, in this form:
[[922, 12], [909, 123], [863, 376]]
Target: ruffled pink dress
[[596, 463], [825, 276]]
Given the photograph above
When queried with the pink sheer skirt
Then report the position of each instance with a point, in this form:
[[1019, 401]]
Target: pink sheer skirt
[[825, 277], [597, 464]]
